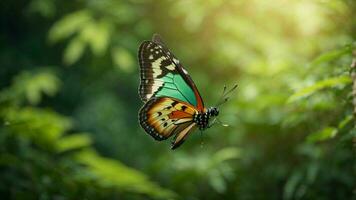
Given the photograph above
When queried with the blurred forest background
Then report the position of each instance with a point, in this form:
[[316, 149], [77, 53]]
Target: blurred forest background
[[68, 99]]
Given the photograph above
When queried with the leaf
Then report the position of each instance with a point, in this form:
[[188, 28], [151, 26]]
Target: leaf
[[74, 141], [326, 133], [292, 184], [43, 82], [217, 181], [73, 51], [44, 127], [329, 132], [112, 173], [312, 172], [30, 86], [46, 8], [327, 83], [345, 121], [226, 154], [123, 59], [332, 55], [97, 35], [69, 25]]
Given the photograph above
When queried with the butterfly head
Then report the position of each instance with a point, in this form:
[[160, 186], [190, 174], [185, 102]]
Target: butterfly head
[[213, 111]]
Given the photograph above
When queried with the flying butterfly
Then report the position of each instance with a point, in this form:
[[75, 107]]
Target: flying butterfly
[[172, 103]]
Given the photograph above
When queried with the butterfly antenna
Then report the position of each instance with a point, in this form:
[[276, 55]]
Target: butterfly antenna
[[224, 98], [221, 96], [231, 90]]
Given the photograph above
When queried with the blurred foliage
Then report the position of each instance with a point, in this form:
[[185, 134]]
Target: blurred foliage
[[68, 100], [37, 150]]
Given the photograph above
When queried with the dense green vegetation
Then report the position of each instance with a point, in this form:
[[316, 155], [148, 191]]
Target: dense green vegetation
[[69, 102]]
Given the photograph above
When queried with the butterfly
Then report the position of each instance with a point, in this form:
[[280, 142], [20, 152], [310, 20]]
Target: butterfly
[[172, 103]]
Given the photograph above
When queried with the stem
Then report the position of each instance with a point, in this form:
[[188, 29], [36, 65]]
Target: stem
[[353, 77]]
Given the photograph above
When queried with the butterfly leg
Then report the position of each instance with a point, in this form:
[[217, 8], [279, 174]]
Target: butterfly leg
[[173, 139], [201, 139], [212, 123]]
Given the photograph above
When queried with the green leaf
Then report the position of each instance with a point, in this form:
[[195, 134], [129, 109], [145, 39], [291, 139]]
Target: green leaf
[[44, 127], [217, 181], [74, 51], [320, 85], [329, 132], [30, 86], [69, 25], [326, 133], [123, 59], [71, 142], [312, 172], [345, 121], [112, 173], [97, 35], [46, 8], [43, 82], [292, 185], [332, 55], [226, 154]]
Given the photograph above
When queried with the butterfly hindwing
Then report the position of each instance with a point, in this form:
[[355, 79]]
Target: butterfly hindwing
[[163, 75], [182, 135], [162, 117]]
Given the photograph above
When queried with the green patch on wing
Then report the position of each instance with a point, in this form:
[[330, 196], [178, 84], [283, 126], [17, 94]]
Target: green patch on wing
[[176, 87]]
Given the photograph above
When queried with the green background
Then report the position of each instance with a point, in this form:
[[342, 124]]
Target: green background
[[68, 99]]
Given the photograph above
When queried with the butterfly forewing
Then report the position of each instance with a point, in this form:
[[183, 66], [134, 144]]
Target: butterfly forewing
[[163, 75]]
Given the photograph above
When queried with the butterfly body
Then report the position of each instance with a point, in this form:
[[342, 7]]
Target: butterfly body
[[173, 105], [202, 119]]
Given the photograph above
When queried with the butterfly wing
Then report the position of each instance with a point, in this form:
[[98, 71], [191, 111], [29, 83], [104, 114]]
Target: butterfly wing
[[162, 117], [163, 75]]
